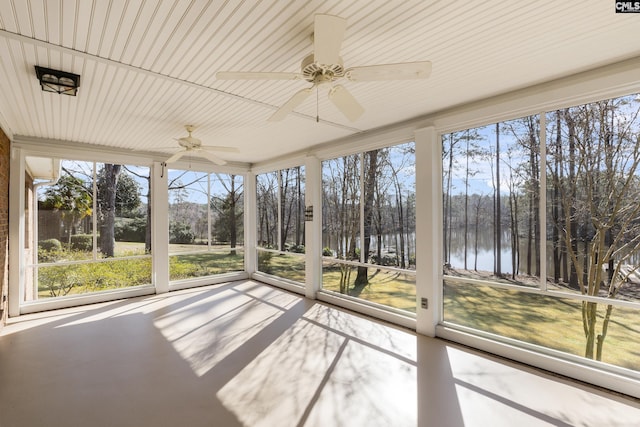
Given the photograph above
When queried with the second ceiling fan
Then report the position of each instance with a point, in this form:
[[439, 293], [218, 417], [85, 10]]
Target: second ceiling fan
[[192, 145], [325, 66]]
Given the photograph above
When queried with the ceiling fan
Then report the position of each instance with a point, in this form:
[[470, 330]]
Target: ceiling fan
[[193, 145], [324, 66]]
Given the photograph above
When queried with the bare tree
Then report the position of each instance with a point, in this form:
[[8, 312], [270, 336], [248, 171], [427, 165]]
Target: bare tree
[[601, 197]]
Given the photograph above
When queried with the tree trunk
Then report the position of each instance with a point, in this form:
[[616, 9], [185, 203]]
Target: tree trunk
[[401, 226], [466, 203], [556, 202], [107, 239], [570, 216], [477, 233], [535, 191], [369, 187]]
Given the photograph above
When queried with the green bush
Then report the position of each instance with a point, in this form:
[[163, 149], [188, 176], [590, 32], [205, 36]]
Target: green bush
[[82, 242], [326, 251], [49, 250], [130, 229], [388, 260], [50, 245], [298, 249], [180, 232]]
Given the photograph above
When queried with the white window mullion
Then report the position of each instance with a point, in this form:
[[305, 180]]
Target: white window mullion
[[16, 231], [160, 226], [209, 211], [543, 201], [313, 226], [429, 282], [94, 217], [250, 223], [279, 201], [361, 207]]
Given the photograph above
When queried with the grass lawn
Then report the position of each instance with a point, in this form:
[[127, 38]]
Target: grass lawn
[[204, 264], [118, 273], [543, 320], [390, 288], [287, 266]]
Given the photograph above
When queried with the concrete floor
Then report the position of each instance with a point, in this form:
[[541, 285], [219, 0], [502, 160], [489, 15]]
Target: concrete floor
[[247, 354]]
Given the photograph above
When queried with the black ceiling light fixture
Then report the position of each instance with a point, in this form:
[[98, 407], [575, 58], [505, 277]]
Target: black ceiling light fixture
[[58, 81]]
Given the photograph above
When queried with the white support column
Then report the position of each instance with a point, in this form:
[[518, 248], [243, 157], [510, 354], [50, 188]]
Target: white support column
[[16, 231], [313, 228], [428, 230], [160, 226], [250, 223]]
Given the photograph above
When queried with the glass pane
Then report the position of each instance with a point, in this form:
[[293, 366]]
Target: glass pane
[[390, 288], [123, 210], [62, 280], [188, 211], [341, 207], [292, 209], [548, 321], [65, 214], [490, 201], [188, 266], [392, 231], [205, 224], [267, 210], [227, 211], [288, 266], [593, 198], [69, 247]]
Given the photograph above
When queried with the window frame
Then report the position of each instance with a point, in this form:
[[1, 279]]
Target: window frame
[[396, 315]]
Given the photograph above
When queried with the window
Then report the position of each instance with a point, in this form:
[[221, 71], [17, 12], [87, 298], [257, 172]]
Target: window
[[491, 199], [563, 271], [91, 223], [280, 223], [368, 222], [206, 217]]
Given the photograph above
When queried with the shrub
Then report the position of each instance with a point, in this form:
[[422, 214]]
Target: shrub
[[82, 242], [299, 249], [50, 245], [130, 229], [49, 250], [387, 259], [326, 251], [180, 232]]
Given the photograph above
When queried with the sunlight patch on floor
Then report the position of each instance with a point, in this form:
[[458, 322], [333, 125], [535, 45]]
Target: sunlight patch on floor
[[204, 332]]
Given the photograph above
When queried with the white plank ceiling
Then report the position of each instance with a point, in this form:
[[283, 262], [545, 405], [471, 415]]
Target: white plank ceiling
[[148, 66]]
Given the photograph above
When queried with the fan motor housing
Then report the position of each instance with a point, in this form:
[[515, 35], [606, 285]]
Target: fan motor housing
[[320, 73]]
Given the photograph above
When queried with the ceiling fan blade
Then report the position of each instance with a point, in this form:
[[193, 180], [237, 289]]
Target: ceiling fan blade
[[400, 71], [345, 102], [220, 148], [328, 33], [212, 157], [176, 156], [241, 75], [291, 104], [189, 140]]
